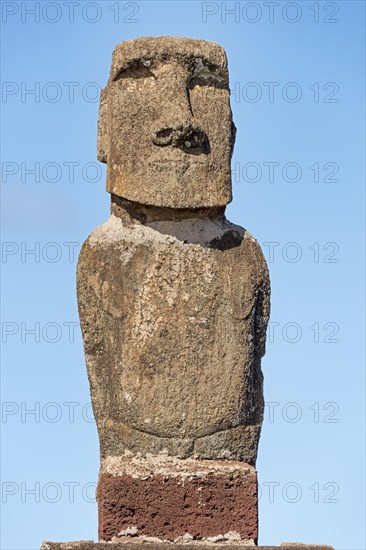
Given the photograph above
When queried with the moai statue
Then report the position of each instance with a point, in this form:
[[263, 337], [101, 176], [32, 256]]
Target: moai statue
[[174, 303]]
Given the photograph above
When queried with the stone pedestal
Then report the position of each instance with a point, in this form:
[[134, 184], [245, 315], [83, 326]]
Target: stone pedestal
[[165, 497]]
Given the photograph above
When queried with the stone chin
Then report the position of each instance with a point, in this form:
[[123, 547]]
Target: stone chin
[[179, 178]]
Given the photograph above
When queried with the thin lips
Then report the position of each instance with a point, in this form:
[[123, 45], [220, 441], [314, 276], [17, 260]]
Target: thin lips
[[175, 156], [177, 161]]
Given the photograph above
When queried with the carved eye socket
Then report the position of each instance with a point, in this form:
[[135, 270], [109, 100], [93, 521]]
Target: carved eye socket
[[137, 77], [138, 70], [206, 75], [207, 79]]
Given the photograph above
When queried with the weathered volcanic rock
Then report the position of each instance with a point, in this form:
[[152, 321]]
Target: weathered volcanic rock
[[165, 125], [167, 497], [173, 300], [174, 314], [174, 306]]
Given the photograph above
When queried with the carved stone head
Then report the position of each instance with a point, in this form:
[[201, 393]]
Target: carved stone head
[[165, 125]]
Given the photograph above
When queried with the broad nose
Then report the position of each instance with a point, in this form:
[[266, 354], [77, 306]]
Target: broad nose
[[174, 93], [176, 125]]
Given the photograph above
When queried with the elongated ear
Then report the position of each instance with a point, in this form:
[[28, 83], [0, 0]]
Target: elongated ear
[[102, 127], [232, 137]]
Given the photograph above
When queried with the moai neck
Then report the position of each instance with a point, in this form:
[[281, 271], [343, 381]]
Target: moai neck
[[133, 212], [207, 227]]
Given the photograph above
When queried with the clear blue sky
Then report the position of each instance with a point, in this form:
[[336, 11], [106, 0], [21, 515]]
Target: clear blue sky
[[297, 80]]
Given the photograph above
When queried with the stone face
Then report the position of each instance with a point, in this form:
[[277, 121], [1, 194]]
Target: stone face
[[168, 498], [174, 314], [165, 124]]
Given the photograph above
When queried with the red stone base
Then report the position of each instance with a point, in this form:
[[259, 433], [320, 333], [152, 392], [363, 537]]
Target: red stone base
[[166, 497]]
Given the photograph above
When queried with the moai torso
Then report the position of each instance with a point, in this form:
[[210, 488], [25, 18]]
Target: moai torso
[[175, 314], [173, 298]]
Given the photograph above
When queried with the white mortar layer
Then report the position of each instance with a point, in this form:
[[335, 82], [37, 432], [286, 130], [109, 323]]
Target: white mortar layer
[[169, 466]]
